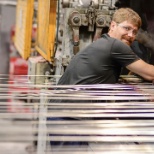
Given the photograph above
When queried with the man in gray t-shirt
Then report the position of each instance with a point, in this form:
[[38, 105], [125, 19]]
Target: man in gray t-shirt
[[101, 62]]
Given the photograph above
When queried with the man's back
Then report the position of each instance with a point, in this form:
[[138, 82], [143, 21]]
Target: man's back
[[100, 62]]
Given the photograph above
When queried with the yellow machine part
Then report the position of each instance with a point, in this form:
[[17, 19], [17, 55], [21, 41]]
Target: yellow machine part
[[23, 30], [46, 28]]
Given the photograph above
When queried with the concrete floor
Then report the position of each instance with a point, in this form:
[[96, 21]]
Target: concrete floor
[[13, 148], [6, 147]]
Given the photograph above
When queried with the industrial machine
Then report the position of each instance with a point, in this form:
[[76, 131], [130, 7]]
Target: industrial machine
[[63, 29]]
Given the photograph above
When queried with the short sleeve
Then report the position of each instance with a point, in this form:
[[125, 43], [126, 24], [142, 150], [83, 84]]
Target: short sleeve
[[123, 54]]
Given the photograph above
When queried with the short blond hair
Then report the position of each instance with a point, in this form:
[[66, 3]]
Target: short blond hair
[[127, 14]]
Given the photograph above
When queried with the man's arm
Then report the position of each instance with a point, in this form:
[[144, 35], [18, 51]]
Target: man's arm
[[143, 69]]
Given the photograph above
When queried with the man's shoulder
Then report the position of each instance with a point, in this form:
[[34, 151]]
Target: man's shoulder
[[107, 37]]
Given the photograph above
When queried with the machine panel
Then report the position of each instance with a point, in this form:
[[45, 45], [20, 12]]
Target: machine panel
[[46, 28], [23, 31]]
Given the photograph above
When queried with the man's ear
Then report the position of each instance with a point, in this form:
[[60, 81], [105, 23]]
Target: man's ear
[[112, 25]]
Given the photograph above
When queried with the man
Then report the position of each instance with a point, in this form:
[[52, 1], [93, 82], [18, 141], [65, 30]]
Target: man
[[101, 62]]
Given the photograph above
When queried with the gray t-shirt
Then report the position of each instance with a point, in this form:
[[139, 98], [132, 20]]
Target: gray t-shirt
[[98, 63]]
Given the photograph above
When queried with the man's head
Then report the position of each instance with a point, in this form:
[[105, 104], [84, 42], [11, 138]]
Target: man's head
[[125, 25]]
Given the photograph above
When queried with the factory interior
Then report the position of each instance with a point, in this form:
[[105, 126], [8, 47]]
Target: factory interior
[[38, 40]]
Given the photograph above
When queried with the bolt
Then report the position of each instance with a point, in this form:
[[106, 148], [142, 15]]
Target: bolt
[[100, 21], [76, 20]]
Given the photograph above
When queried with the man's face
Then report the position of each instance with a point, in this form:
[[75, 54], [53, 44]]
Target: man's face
[[125, 31]]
